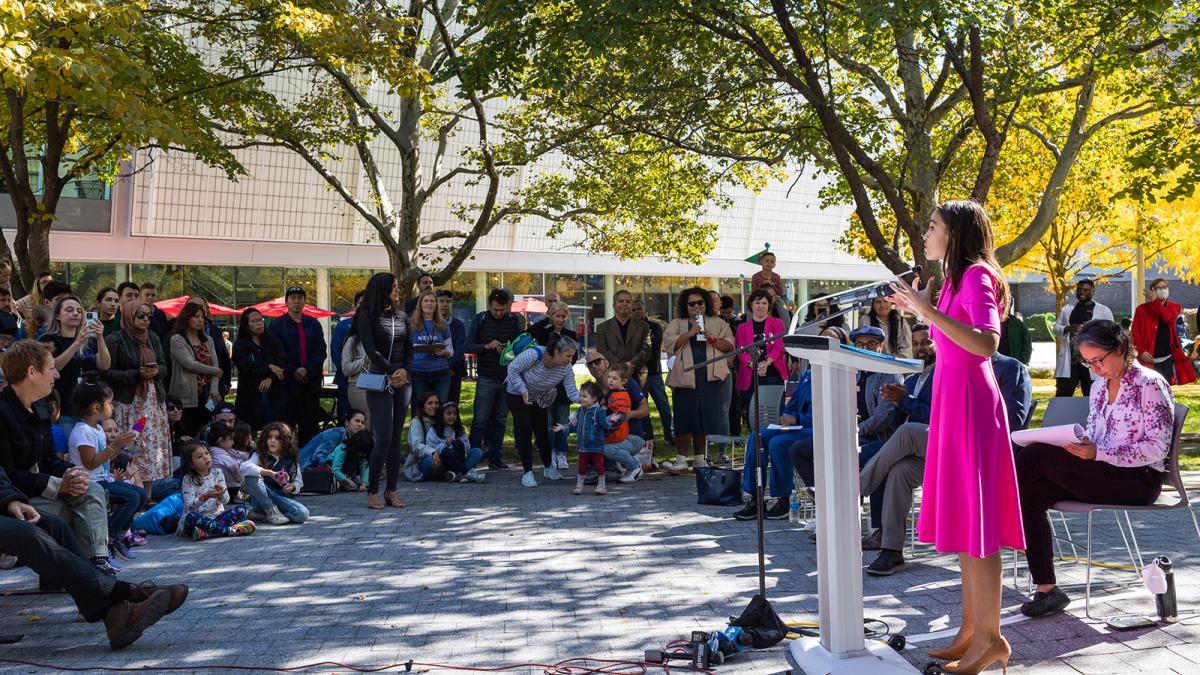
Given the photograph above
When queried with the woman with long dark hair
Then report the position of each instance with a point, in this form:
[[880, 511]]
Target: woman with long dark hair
[[195, 373], [695, 335], [381, 327], [260, 360], [971, 505], [108, 306], [887, 318]]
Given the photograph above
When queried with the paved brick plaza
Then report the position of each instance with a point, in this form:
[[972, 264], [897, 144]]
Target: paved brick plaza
[[496, 574]]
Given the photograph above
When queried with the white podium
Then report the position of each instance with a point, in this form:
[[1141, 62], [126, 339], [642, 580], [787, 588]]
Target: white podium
[[842, 648]]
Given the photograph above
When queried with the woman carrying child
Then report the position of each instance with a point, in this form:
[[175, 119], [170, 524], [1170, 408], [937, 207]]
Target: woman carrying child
[[273, 475], [205, 497]]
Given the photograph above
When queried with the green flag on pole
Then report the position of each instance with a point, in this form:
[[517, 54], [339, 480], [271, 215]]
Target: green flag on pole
[[753, 260]]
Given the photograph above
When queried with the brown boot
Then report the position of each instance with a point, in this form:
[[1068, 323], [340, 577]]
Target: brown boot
[[374, 502], [142, 592], [126, 621], [393, 499]]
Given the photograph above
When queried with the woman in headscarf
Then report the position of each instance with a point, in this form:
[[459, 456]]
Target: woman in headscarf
[[138, 378]]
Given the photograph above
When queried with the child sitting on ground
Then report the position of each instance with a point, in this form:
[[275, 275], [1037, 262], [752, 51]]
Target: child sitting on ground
[[273, 476], [450, 438], [355, 451], [89, 447], [589, 425], [204, 499], [226, 457]]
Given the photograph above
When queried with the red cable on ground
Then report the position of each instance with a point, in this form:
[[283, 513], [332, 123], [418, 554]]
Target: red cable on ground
[[566, 667]]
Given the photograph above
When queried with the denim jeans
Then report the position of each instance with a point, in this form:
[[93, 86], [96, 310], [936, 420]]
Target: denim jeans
[[126, 500], [264, 498], [782, 475], [658, 393], [559, 414], [624, 453], [802, 455], [437, 381], [430, 473], [491, 417]]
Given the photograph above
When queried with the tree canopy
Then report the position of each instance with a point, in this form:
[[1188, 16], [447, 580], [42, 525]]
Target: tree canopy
[[890, 99]]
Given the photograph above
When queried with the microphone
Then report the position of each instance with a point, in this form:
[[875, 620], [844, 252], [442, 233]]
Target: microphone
[[862, 295]]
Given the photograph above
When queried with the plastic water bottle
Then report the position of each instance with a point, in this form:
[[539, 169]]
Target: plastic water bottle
[[794, 508]]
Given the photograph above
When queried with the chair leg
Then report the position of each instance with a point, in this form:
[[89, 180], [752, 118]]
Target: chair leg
[[1067, 529], [1087, 593], [1140, 563], [1195, 523], [1125, 538]]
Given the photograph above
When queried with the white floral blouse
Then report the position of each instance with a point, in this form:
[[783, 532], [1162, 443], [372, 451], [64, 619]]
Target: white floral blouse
[[1136, 429]]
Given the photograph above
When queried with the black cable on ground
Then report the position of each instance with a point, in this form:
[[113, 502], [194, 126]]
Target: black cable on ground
[[574, 666]]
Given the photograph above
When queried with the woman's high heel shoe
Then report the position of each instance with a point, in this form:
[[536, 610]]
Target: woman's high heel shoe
[[952, 652], [1000, 651]]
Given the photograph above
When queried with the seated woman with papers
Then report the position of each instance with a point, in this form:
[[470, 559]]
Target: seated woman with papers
[[1118, 458]]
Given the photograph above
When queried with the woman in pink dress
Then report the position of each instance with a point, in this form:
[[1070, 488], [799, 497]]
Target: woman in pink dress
[[970, 505]]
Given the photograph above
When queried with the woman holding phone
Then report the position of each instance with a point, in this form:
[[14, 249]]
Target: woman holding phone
[[138, 380], [971, 504], [77, 344]]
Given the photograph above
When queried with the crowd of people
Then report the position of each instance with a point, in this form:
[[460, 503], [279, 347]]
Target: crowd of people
[[117, 415]]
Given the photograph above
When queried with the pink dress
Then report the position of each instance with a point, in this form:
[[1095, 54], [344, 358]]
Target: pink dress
[[970, 502]]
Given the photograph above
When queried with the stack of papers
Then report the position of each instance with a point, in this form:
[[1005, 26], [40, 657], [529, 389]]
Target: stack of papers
[[1060, 435]]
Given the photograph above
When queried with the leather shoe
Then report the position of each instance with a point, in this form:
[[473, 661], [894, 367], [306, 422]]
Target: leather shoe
[[1046, 603], [126, 621], [873, 541], [142, 592]]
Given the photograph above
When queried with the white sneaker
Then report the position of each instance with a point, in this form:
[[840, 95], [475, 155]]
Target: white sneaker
[[551, 473], [527, 480], [275, 517], [700, 461], [562, 461], [632, 476], [677, 464], [473, 476]]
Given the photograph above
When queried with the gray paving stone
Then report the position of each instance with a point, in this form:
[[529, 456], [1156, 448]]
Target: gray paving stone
[[482, 575]]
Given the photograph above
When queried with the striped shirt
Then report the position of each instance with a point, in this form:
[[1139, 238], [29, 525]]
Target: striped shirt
[[528, 374]]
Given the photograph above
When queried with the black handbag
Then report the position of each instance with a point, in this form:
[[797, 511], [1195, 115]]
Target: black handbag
[[718, 487]]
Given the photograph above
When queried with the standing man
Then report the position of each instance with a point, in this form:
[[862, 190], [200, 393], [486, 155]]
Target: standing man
[[128, 291], [1155, 337], [1071, 373], [304, 346], [424, 283], [159, 323], [655, 387], [458, 336], [486, 337], [623, 339]]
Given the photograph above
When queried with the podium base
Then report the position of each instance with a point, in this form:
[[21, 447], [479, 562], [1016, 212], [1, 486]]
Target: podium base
[[811, 658]]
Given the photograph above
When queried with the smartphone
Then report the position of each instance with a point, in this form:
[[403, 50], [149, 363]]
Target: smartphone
[[92, 316], [700, 337], [139, 424], [210, 404]]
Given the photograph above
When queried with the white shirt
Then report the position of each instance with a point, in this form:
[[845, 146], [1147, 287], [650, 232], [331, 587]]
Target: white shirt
[[85, 434]]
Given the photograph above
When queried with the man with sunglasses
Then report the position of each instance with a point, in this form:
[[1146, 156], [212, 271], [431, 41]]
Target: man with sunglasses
[[626, 453]]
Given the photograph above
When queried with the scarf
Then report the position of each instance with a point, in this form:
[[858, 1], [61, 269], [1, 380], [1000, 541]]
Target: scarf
[[140, 337]]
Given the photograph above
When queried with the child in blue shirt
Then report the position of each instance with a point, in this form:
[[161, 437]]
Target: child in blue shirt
[[590, 425]]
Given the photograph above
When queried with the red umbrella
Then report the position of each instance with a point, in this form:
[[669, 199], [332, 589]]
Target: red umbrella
[[173, 306], [529, 305], [278, 307]]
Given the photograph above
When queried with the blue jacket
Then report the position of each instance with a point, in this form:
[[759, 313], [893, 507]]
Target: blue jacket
[[288, 333], [1015, 387], [317, 450], [916, 406], [800, 404], [337, 340], [591, 426]]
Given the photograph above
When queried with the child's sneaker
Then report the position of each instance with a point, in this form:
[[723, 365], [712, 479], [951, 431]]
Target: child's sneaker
[[119, 547], [450, 476], [133, 538], [600, 489], [243, 529], [473, 476], [275, 517], [562, 461], [578, 489]]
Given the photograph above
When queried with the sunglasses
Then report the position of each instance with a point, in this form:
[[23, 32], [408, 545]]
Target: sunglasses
[[141, 315], [594, 362], [172, 408], [695, 303]]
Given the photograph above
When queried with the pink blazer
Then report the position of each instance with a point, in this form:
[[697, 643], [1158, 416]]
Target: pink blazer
[[745, 335]]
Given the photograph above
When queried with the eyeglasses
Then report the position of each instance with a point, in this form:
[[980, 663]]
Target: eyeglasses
[[695, 303], [866, 344], [141, 315], [1098, 361]]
